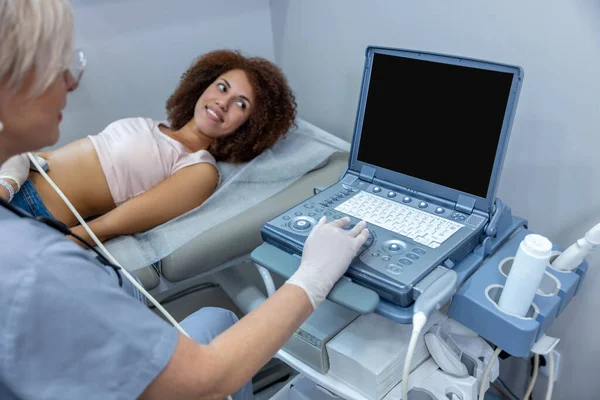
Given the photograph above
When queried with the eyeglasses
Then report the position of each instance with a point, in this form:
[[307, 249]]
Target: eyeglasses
[[78, 65]]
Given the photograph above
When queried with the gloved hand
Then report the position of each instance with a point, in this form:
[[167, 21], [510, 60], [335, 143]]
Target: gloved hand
[[16, 168], [328, 251]]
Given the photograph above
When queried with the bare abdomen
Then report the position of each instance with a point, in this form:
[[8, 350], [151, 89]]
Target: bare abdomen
[[76, 169]]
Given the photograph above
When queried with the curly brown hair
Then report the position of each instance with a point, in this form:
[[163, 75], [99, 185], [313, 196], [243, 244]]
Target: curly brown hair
[[272, 117]]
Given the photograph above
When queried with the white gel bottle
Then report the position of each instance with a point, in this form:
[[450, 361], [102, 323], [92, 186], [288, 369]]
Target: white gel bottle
[[525, 275]]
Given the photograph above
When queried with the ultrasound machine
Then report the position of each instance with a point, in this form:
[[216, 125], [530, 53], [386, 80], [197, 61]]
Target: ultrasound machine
[[429, 143], [430, 137]]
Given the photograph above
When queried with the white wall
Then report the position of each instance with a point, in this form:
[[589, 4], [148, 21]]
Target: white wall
[[552, 170], [138, 49]]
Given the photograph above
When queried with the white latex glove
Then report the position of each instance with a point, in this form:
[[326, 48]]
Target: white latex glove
[[328, 251], [16, 168]]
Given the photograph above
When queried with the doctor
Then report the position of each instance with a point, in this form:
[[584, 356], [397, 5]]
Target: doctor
[[67, 328]]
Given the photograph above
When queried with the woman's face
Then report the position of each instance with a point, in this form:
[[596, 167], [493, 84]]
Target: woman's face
[[32, 123], [225, 105]]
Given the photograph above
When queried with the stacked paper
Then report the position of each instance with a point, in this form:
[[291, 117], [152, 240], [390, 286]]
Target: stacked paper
[[369, 354]]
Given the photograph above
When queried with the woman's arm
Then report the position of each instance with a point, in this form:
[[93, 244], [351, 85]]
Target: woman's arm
[[183, 191], [213, 371], [4, 194], [233, 357], [14, 171]]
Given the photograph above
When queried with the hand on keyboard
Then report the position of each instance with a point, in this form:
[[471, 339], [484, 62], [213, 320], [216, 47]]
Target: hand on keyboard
[[422, 227], [328, 251]]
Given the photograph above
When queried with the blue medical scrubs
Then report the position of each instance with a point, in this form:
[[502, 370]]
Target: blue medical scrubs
[[68, 331]]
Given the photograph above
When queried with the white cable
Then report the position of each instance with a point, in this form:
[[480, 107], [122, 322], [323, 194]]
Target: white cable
[[486, 373], [536, 368], [103, 249], [267, 279], [106, 253], [550, 376], [419, 320]]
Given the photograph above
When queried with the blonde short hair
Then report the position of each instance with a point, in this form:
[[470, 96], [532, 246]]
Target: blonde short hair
[[38, 35]]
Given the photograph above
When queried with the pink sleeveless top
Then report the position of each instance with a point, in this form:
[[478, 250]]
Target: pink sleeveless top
[[136, 156]]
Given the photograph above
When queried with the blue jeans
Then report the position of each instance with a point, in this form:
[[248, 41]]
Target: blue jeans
[[206, 324], [28, 200]]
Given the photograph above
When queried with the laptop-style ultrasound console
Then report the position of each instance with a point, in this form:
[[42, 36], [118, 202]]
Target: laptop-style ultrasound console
[[430, 137]]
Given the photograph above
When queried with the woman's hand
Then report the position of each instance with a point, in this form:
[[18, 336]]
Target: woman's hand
[[15, 170], [328, 252]]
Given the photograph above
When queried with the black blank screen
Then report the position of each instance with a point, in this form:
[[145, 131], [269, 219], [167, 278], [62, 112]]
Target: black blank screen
[[433, 121]]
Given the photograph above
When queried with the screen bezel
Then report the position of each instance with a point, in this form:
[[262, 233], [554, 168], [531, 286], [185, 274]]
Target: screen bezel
[[416, 184]]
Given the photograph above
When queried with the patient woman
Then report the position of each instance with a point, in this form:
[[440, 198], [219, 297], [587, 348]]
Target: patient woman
[[139, 173]]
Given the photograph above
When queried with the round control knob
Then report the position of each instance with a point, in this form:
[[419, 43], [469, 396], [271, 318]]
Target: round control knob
[[406, 199], [308, 206], [298, 213], [286, 217], [369, 241], [439, 210], [393, 246], [422, 205], [302, 225], [391, 194], [376, 189]]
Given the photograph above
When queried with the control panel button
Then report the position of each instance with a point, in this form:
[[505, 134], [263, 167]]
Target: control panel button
[[391, 194], [302, 225], [312, 214], [286, 217], [327, 212], [393, 246], [337, 216], [375, 254], [423, 205], [308, 206], [376, 189], [458, 216], [439, 210], [318, 209], [298, 213], [406, 199], [405, 261], [418, 251], [394, 269], [412, 256], [386, 258]]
